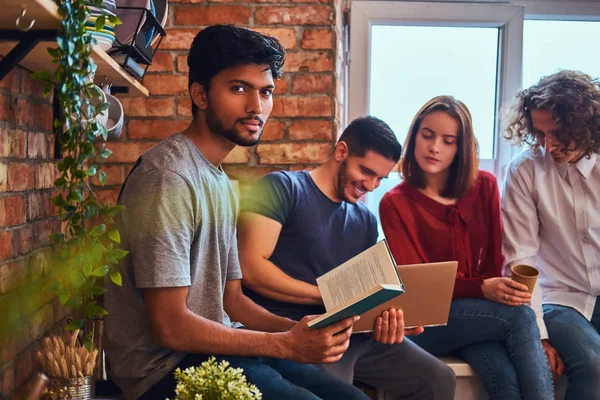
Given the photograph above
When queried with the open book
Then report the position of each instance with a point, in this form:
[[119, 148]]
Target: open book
[[358, 285]]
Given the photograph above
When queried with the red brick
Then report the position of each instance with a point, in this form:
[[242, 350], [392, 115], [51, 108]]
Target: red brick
[[25, 239], [311, 1], [304, 61], [156, 129], [12, 211], [11, 81], [239, 155], [161, 62], [114, 175], [281, 86], [293, 153], [20, 177], [44, 175], [273, 130], [186, 1], [166, 84], [12, 275], [6, 249], [23, 367], [3, 177], [43, 116], [7, 379], [296, 106], [46, 227], [310, 84], [286, 36], [41, 322], [22, 111], [13, 143], [310, 130], [108, 196], [37, 145], [178, 39], [299, 15], [182, 64], [33, 86], [184, 106], [147, 107], [37, 206], [317, 39], [50, 209], [212, 15], [128, 152]]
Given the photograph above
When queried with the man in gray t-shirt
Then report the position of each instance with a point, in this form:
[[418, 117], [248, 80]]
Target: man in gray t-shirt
[[181, 298]]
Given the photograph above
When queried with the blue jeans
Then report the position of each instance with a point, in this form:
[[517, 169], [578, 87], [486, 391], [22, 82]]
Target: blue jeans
[[501, 343], [577, 341], [276, 379]]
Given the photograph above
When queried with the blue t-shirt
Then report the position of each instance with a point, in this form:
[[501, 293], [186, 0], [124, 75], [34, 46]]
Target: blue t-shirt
[[317, 233]]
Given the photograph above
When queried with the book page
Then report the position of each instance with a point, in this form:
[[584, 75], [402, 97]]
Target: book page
[[357, 276]]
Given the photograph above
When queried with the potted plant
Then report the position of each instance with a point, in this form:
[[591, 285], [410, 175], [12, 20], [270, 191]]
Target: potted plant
[[87, 247], [214, 381]]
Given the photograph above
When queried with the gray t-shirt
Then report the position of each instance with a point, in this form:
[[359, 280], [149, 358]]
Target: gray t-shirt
[[179, 226]]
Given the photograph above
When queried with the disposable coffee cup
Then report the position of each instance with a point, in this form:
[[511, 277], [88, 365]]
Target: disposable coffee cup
[[525, 274]]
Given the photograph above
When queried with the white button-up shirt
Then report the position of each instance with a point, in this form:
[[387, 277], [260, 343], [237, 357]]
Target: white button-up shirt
[[551, 218]]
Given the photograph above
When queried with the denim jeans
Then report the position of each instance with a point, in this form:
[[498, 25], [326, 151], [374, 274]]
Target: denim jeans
[[276, 379], [577, 340], [501, 343]]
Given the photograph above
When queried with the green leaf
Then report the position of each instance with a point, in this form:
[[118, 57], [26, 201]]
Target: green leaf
[[119, 253], [60, 182], [54, 52], [98, 311], [47, 88], [114, 236], [105, 153], [114, 19], [98, 230], [114, 210], [77, 280], [87, 269], [102, 178], [75, 325], [63, 296], [98, 290], [116, 278], [54, 286], [41, 75], [92, 171], [94, 205], [56, 237], [102, 271]]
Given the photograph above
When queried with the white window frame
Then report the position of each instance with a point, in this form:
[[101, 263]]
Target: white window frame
[[365, 14]]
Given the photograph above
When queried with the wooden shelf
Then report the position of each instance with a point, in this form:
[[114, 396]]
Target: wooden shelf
[[45, 13]]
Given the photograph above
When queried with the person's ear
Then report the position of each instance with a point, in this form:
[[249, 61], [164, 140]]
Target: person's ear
[[199, 96], [341, 151]]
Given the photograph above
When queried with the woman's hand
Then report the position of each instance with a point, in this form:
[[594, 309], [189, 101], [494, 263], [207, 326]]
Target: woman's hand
[[505, 291]]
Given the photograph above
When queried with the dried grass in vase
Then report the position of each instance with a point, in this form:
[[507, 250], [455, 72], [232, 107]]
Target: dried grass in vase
[[66, 358]]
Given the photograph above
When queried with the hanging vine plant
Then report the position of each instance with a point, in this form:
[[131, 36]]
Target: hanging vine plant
[[87, 247]]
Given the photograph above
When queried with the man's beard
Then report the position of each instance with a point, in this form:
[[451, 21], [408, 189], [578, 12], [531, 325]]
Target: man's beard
[[341, 181], [232, 134]]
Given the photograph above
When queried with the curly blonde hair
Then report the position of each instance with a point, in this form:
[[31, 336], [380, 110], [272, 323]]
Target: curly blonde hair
[[573, 97]]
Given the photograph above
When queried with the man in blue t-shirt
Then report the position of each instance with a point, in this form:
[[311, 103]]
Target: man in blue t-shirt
[[296, 226]]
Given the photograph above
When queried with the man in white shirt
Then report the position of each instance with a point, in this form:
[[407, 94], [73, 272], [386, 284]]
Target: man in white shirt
[[551, 216]]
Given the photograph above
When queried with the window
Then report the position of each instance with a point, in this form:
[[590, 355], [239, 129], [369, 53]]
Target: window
[[403, 54], [550, 45]]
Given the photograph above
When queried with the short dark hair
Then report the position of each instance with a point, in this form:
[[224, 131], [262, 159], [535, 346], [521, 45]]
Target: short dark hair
[[573, 98], [371, 133], [464, 167], [219, 47]]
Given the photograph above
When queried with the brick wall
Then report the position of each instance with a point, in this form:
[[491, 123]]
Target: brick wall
[[27, 217], [300, 133], [307, 110]]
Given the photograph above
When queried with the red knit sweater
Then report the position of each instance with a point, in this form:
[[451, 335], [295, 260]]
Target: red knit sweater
[[421, 230]]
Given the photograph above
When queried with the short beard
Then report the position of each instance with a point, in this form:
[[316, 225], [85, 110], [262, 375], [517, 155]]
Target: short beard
[[341, 180], [216, 126]]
